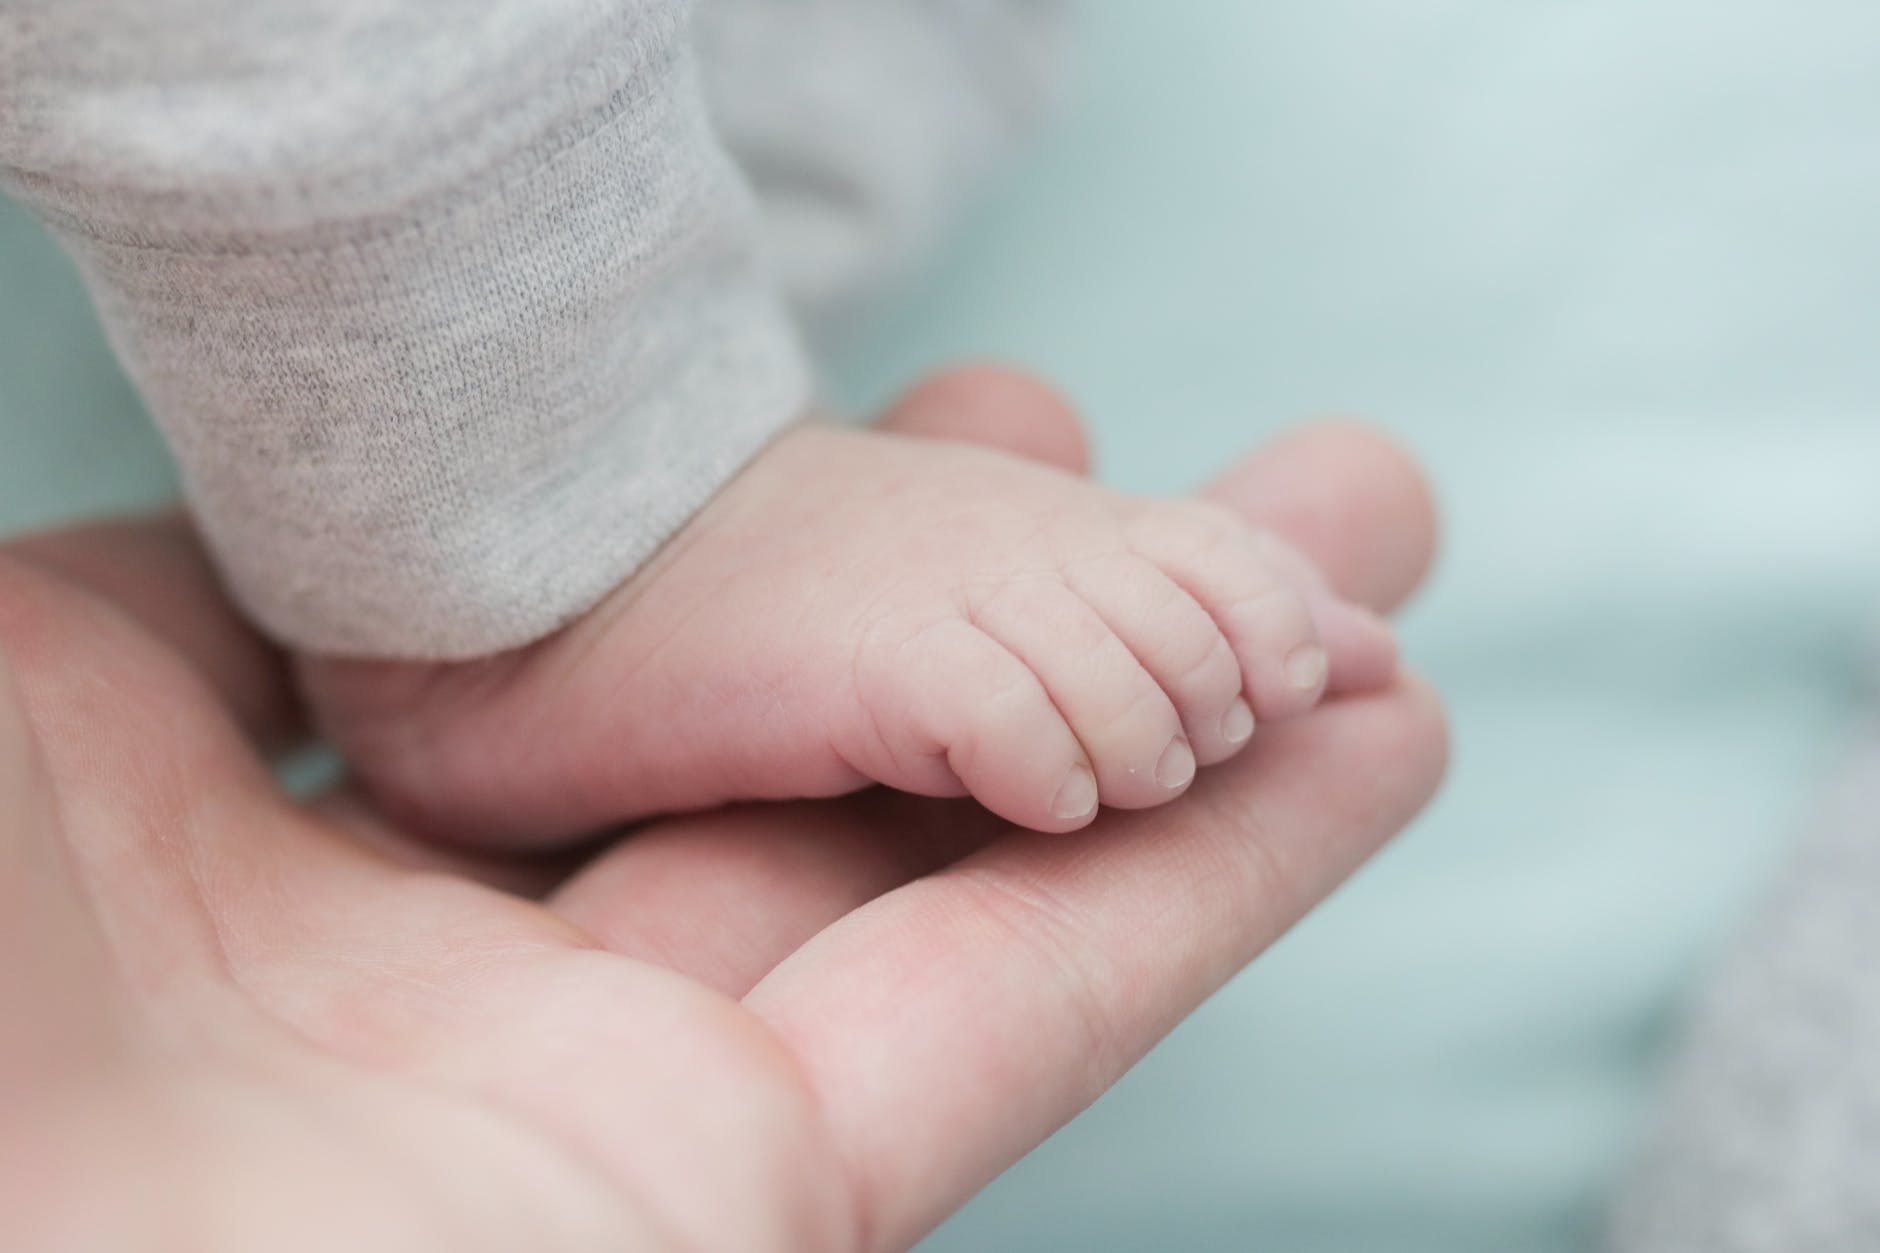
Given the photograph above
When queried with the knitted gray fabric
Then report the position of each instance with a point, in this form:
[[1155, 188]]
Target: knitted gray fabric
[[453, 313], [1769, 1140]]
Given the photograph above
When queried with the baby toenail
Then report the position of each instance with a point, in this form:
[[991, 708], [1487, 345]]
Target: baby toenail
[[1306, 667], [1078, 796], [1237, 722], [1177, 766]]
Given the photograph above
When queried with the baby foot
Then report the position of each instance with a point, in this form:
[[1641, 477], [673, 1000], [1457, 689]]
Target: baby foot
[[860, 607]]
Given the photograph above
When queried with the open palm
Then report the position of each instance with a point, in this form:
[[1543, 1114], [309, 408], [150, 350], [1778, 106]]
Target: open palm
[[231, 1020]]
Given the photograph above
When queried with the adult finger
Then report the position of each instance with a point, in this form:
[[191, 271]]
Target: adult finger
[[60, 1004], [1374, 546], [155, 571], [721, 897], [998, 407], [948, 1027]]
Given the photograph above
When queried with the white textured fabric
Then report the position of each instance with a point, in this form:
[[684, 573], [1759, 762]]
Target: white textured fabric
[[453, 313]]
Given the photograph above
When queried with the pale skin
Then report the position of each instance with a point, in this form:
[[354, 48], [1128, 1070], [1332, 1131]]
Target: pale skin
[[870, 606], [820, 1026]]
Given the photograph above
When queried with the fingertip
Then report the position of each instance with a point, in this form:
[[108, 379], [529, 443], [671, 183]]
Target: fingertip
[[1432, 718], [995, 406], [1351, 498]]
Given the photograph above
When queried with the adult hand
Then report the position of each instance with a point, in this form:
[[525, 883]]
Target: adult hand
[[231, 1021]]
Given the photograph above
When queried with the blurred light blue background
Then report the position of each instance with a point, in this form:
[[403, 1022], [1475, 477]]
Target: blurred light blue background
[[1614, 269]]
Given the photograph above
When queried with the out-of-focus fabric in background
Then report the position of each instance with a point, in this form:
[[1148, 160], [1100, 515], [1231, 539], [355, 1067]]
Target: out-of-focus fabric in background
[[1614, 270]]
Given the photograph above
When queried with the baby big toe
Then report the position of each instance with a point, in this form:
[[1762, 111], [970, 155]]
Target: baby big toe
[[965, 695]]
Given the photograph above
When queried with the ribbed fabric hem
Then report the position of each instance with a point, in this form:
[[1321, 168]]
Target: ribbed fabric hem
[[448, 435]]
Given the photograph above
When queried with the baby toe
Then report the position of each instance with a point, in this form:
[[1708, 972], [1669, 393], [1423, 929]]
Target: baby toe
[[1219, 560], [1129, 729], [1282, 659], [1362, 647], [1178, 644], [969, 699]]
